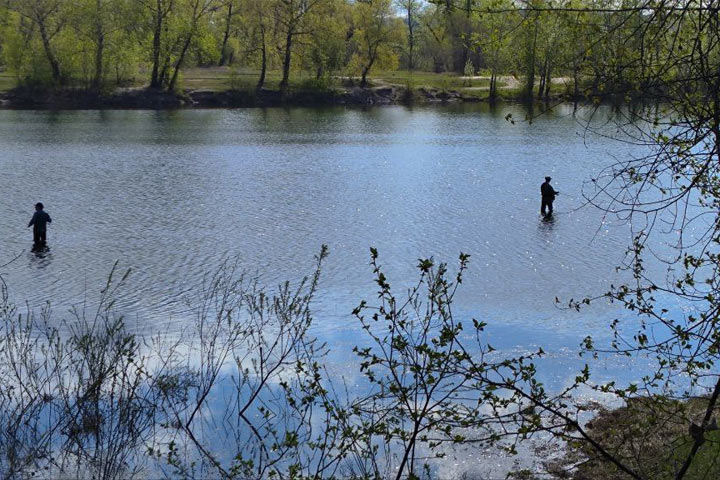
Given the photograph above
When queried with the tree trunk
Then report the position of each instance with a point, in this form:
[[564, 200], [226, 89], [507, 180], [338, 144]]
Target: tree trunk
[[530, 63], [223, 51], [548, 82], [366, 69], [465, 55], [99, 47], [163, 75], [467, 33], [181, 58], [493, 88], [286, 63], [54, 65], [263, 65], [411, 36], [543, 77], [97, 79], [576, 88], [363, 80], [597, 79], [411, 63], [155, 80]]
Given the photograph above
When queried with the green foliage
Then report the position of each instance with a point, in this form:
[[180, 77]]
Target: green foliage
[[376, 33], [100, 44]]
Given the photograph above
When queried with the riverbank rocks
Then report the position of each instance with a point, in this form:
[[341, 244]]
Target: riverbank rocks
[[73, 98], [437, 95], [144, 98], [226, 99], [369, 96]]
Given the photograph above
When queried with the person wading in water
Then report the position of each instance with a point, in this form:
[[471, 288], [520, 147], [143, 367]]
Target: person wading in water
[[39, 222], [548, 196]]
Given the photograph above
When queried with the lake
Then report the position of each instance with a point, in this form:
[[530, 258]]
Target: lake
[[171, 195]]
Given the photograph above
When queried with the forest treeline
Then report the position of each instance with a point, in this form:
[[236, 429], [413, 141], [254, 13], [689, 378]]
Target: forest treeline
[[597, 45]]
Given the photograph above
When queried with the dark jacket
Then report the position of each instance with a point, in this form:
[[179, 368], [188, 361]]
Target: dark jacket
[[39, 220], [547, 191]]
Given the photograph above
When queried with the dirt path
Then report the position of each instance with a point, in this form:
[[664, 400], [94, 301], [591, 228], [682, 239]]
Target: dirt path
[[512, 82]]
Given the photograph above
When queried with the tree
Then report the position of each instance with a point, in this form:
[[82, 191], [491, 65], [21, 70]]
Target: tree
[[189, 30], [258, 36], [173, 26], [231, 10], [106, 25], [375, 35], [159, 13], [50, 18], [675, 185], [293, 20], [435, 43], [531, 29], [671, 53], [496, 43], [428, 390], [551, 39], [325, 51], [411, 9]]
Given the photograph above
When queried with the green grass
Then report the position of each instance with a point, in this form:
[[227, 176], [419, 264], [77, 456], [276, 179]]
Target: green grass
[[225, 78], [220, 79], [7, 82], [416, 79]]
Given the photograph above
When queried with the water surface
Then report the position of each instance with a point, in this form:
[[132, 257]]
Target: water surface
[[171, 194]]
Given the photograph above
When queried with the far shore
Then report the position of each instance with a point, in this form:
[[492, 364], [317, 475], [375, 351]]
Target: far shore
[[132, 98], [145, 98], [219, 88]]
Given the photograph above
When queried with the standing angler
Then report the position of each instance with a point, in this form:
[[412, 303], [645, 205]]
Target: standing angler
[[548, 196], [39, 222]]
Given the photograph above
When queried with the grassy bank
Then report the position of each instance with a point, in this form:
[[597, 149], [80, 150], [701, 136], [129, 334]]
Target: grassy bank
[[7, 82], [418, 86], [223, 78], [651, 435]]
